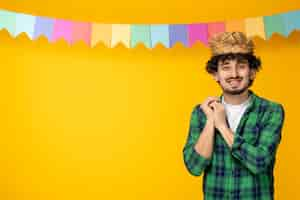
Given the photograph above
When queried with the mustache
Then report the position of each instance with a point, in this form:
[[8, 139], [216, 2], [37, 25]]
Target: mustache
[[238, 78]]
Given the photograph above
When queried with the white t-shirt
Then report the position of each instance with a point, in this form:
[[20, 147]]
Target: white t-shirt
[[234, 113]]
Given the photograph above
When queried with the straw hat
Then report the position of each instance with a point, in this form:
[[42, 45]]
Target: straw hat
[[230, 42]]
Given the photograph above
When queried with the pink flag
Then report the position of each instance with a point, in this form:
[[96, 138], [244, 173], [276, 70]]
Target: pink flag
[[62, 29], [81, 31], [215, 27], [197, 32]]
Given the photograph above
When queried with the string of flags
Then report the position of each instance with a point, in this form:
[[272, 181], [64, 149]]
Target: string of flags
[[148, 34]]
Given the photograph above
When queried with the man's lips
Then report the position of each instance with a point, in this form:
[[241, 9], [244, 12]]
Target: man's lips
[[234, 82]]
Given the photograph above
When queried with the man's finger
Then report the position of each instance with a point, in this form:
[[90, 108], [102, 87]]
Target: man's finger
[[215, 100], [212, 99], [213, 104]]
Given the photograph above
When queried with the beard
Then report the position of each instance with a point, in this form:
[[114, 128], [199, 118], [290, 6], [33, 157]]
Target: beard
[[235, 91]]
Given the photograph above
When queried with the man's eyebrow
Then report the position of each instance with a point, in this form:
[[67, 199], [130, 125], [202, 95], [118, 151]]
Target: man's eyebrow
[[225, 61], [243, 60]]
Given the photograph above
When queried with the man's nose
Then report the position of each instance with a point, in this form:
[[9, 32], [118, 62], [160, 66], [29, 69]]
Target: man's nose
[[234, 72]]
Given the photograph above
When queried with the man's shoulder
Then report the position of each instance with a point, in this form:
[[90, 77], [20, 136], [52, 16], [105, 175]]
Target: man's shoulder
[[197, 108], [268, 103], [197, 111], [270, 109]]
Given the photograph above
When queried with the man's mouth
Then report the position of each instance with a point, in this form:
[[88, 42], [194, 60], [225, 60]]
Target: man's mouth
[[234, 82]]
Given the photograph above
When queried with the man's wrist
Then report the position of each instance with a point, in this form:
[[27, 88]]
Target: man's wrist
[[227, 134], [210, 119], [210, 122], [223, 128]]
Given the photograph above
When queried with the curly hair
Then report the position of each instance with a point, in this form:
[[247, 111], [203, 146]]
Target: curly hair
[[254, 61]]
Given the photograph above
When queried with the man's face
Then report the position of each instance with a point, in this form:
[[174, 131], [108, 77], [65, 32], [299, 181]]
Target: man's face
[[234, 75]]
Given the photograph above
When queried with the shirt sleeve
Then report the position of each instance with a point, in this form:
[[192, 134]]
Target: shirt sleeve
[[258, 157], [194, 162]]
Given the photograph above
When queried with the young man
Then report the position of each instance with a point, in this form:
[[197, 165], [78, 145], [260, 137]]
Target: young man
[[233, 138]]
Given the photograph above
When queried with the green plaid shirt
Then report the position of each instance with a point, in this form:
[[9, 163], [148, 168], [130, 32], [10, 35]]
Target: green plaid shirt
[[245, 171]]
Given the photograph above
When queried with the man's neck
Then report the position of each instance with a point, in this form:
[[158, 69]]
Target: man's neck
[[236, 99]]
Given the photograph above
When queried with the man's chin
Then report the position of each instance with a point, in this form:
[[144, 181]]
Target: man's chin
[[235, 91]]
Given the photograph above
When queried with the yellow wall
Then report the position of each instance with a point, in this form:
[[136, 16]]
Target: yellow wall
[[83, 123]]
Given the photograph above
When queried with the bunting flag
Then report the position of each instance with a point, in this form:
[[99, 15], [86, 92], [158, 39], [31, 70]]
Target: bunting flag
[[130, 35]]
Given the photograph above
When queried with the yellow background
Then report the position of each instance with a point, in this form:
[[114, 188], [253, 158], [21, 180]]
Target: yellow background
[[101, 123]]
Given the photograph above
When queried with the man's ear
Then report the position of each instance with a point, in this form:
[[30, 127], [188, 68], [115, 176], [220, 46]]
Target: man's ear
[[252, 74], [215, 76]]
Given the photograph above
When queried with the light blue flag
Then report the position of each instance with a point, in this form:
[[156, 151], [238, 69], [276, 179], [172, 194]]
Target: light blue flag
[[25, 23], [8, 21], [43, 26], [140, 33], [291, 21], [160, 33]]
